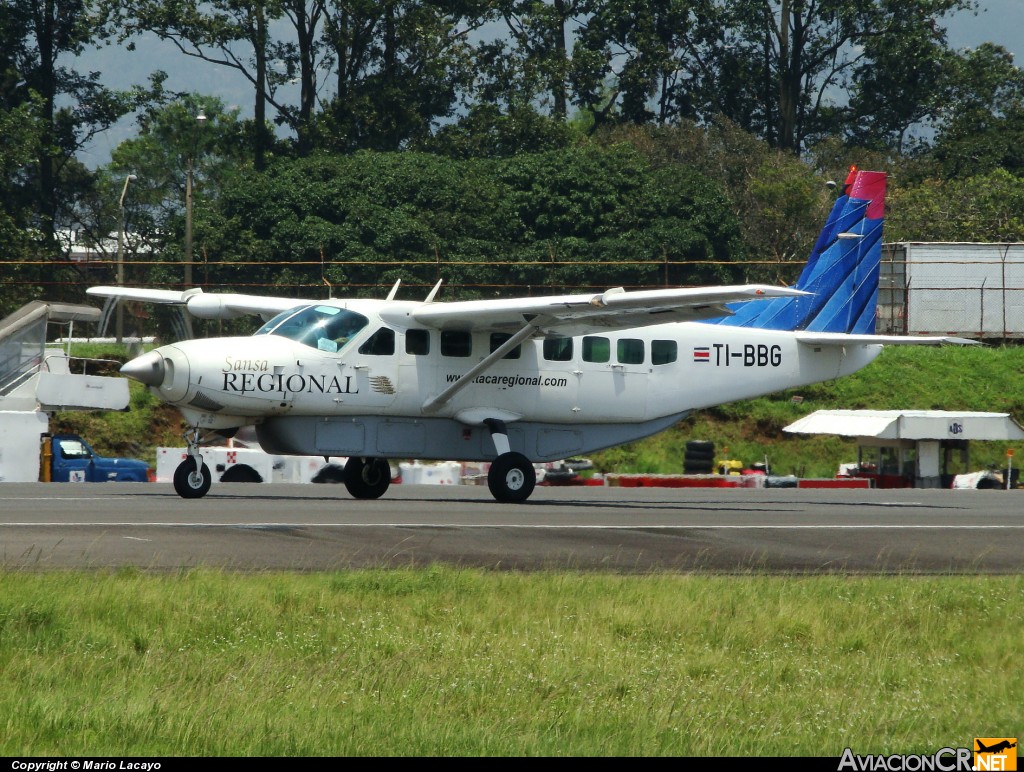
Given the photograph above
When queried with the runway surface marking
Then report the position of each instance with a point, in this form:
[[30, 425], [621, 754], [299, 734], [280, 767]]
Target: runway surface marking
[[630, 527]]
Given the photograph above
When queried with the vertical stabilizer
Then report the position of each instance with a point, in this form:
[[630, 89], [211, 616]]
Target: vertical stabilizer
[[841, 272]]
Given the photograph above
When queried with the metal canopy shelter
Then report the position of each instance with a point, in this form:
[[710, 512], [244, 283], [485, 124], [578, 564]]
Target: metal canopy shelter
[[910, 448]]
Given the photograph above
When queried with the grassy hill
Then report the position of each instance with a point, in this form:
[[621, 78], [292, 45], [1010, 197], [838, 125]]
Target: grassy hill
[[976, 378]]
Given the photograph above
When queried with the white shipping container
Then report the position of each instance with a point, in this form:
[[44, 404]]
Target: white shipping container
[[969, 289]]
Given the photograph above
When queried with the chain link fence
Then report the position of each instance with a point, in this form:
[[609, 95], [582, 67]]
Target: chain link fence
[[966, 289]]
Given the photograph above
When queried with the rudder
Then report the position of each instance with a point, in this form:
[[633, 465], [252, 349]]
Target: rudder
[[842, 271]]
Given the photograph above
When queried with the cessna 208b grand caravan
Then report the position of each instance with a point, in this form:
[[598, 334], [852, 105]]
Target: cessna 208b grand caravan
[[515, 381]]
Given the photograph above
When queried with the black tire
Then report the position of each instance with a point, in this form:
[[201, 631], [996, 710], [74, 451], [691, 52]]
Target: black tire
[[698, 455], [332, 473], [704, 446], [241, 473], [698, 468], [367, 478], [511, 477], [190, 484], [780, 481]]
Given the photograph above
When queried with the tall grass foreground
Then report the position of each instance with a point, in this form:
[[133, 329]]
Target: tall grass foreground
[[465, 662]]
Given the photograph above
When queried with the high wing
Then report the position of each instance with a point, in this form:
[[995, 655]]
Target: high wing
[[579, 314], [202, 305], [552, 314]]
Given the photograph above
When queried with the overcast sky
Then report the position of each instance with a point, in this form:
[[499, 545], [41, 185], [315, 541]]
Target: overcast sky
[[1000, 21]]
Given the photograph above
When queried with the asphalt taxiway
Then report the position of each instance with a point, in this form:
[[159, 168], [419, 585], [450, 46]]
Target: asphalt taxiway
[[258, 527]]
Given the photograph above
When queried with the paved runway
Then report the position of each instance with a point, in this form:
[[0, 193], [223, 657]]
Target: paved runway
[[321, 528]]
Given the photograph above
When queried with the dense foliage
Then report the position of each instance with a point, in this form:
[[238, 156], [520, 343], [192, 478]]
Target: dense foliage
[[500, 146], [577, 217]]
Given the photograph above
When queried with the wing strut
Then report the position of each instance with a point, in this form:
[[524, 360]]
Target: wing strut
[[435, 403]]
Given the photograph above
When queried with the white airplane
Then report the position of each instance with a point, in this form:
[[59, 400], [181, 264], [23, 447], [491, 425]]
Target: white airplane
[[514, 381]]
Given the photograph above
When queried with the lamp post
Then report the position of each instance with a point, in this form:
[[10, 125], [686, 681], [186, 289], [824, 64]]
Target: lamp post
[[120, 259], [200, 120]]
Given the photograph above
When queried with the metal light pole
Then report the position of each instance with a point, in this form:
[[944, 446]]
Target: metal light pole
[[200, 120], [120, 259]]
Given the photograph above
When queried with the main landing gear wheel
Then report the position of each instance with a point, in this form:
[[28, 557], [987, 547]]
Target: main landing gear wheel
[[190, 483], [367, 478], [511, 477]]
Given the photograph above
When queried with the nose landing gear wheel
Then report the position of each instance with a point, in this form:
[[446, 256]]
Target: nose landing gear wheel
[[190, 483], [367, 478], [511, 477]]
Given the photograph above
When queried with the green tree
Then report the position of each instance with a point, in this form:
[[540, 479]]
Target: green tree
[[986, 207], [607, 217], [781, 69], [900, 86], [530, 64], [485, 131], [777, 200], [237, 35], [637, 61], [73, 106], [557, 220], [400, 66], [58, 110], [983, 121], [20, 132], [171, 141]]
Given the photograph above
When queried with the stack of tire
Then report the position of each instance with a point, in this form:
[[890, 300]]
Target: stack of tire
[[699, 458]]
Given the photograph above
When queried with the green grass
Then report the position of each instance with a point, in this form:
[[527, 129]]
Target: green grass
[[456, 662]]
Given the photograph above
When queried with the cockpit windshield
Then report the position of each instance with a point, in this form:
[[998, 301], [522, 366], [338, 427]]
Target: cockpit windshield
[[326, 328]]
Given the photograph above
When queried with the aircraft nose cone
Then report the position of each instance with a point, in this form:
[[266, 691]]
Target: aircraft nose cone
[[147, 369]]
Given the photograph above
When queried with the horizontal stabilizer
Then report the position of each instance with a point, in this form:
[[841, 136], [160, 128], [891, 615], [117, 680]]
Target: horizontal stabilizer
[[842, 339]]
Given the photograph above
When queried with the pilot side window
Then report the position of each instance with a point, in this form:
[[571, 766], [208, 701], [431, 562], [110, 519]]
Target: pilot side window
[[630, 351], [498, 338], [456, 343], [323, 327], [417, 342], [558, 349], [381, 343], [664, 352], [596, 349]]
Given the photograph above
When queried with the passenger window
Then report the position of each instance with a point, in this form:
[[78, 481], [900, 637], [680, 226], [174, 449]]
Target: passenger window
[[664, 351], [630, 351], [381, 343], [558, 349], [596, 349], [456, 343], [498, 338], [417, 342]]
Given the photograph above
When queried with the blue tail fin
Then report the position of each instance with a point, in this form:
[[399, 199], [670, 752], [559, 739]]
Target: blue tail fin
[[842, 270]]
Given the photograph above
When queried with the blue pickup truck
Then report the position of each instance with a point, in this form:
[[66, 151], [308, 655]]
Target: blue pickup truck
[[69, 458]]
